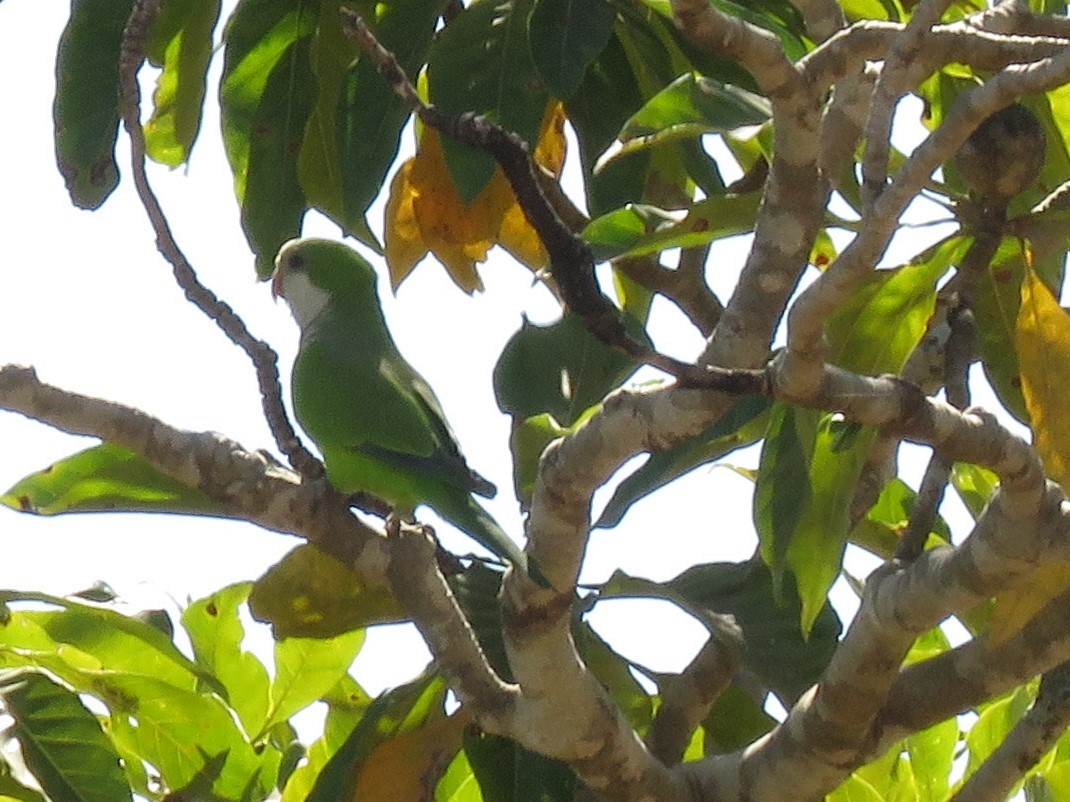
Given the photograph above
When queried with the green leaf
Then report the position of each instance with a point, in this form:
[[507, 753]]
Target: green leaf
[[975, 486], [782, 494], [311, 594], [306, 669], [802, 523], [347, 703], [181, 43], [105, 478], [86, 105], [932, 754], [736, 720], [367, 142], [527, 442], [62, 742], [855, 789], [775, 647], [561, 369], [476, 590], [507, 771], [608, 95], [880, 529], [564, 37], [875, 331], [216, 634], [180, 732], [266, 97], [481, 63], [614, 674], [997, 298], [80, 637], [997, 718], [11, 790], [690, 106], [743, 425], [815, 553], [638, 229], [401, 710], [458, 782]]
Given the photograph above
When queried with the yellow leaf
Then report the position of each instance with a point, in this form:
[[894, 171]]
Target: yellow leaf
[[408, 766], [550, 150], [425, 213], [404, 246], [1015, 608], [1042, 338], [458, 235], [311, 594]]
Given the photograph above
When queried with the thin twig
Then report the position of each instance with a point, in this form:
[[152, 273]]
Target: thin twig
[[960, 353], [265, 360]]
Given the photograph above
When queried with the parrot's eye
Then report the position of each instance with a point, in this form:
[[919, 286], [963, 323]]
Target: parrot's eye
[[295, 262]]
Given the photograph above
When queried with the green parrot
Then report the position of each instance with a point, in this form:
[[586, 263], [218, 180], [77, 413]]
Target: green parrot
[[376, 420]]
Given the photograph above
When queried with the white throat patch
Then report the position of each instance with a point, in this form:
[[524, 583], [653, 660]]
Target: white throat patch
[[305, 298]]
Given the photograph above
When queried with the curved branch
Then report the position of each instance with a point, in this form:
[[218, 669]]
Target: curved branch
[[265, 360]]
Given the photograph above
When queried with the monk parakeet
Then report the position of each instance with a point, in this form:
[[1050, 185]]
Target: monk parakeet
[[376, 421]]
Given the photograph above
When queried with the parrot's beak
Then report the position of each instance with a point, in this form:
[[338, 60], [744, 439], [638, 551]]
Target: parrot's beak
[[276, 283]]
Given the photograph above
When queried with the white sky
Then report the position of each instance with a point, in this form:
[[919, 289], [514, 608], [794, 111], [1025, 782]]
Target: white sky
[[88, 301]]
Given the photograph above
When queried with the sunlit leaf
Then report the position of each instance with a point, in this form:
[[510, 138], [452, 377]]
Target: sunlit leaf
[[1043, 343], [266, 96], [105, 478], [808, 473], [883, 524], [310, 594], [458, 782], [216, 634], [426, 214], [306, 669], [62, 742], [638, 229], [79, 637], [875, 331], [1043, 340], [932, 754], [995, 721], [183, 41], [690, 106], [975, 486]]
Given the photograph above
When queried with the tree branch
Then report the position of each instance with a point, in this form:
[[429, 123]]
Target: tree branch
[[686, 699], [265, 360]]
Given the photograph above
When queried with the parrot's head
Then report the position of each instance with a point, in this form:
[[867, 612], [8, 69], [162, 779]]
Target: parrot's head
[[313, 273]]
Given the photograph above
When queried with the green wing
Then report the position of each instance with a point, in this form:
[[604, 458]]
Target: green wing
[[363, 398]]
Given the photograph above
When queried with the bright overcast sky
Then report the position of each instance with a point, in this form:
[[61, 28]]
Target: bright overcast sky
[[89, 302]]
